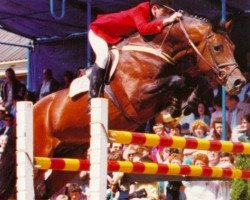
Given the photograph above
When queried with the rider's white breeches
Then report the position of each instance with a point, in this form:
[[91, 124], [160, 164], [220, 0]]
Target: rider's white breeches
[[100, 47]]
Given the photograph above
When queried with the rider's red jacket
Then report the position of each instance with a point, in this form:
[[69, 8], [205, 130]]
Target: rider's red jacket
[[115, 26]]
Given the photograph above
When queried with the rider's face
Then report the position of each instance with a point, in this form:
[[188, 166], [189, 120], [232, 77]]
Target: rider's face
[[158, 11]]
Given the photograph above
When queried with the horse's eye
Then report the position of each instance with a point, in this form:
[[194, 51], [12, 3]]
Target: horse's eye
[[218, 47]]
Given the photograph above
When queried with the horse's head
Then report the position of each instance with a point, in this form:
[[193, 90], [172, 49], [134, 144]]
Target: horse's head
[[214, 51]]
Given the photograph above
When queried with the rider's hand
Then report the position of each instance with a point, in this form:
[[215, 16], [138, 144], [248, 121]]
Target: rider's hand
[[174, 17]]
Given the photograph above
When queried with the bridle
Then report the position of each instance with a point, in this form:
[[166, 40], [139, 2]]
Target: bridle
[[216, 67]]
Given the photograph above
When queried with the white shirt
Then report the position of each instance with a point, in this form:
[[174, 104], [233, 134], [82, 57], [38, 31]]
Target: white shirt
[[197, 190], [44, 89], [215, 114]]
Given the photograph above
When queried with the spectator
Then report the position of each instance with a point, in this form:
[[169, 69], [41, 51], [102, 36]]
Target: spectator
[[175, 131], [216, 130], [162, 155], [113, 156], [84, 176], [226, 161], [130, 152], [159, 129], [202, 113], [187, 121], [205, 190], [113, 192], [68, 78], [234, 113], [115, 147], [62, 197], [244, 130], [173, 188], [3, 143], [159, 154], [49, 84], [217, 112], [217, 90], [2, 116], [185, 130], [212, 93], [30, 96], [148, 190], [11, 89], [199, 128], [213, 158], [8, 125], [13, 107], [245, 90], [75, 192]]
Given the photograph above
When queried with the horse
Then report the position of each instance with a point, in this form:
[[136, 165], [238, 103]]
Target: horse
[[149, 70]]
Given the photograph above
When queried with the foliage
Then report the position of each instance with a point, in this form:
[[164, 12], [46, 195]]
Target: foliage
[[241, 188]]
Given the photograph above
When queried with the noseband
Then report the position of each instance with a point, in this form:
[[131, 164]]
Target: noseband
[[217, 68]]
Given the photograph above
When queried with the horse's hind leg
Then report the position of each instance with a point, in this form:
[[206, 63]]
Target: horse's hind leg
[[58, 179]]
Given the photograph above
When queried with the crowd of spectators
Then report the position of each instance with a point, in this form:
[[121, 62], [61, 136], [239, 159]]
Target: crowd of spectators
[[12, 90], [204, 122]]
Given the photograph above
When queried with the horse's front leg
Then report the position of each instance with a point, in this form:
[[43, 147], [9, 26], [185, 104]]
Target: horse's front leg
[[176, 85], [202, 85]]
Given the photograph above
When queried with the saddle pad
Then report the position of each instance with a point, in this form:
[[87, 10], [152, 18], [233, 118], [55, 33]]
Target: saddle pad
[[79, 85]]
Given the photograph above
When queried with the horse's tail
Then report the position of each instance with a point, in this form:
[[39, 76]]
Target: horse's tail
[[8, 168]]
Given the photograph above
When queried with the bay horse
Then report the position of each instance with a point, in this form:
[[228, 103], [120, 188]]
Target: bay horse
[[148, 72]]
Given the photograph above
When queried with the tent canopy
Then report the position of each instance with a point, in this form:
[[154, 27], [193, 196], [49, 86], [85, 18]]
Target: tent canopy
[[33, 19]]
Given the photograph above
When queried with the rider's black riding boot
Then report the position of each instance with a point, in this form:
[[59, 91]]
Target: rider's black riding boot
[[96, 81]]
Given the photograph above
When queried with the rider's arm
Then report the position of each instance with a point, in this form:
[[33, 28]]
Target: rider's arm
[[172, 18]]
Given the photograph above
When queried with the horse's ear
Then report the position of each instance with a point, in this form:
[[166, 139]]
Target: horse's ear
[[223, 26], [227, 25]]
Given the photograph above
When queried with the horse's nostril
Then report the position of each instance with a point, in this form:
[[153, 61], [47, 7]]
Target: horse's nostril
[[238, 83]]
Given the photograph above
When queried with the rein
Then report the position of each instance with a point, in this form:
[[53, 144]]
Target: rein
[[216, 67], [156, 52]]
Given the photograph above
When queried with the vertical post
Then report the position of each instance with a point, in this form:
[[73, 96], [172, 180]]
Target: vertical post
[[28, 66], [224, 133], [223, 136], [223, 11], [98, 148], [24, 146], [89, 4]]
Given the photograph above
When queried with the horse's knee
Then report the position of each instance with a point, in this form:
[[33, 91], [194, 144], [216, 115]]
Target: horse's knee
[[177, 82]]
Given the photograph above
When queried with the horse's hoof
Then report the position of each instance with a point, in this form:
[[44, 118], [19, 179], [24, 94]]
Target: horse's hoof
[[175, 112], [187, 111]]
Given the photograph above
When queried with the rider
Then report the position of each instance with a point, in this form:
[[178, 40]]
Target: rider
[[109, 29]]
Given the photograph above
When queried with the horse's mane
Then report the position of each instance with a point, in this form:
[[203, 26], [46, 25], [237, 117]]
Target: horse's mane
[[196, 17], [185, 14]]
